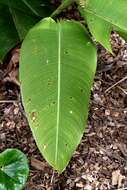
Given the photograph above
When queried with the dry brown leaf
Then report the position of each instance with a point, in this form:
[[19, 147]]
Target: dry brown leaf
[[117, 178], [37, 164], [79, 185], [121, 177], [11, 74]]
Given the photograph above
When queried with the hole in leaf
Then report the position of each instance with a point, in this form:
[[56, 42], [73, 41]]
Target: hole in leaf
[[33, 116], [71, 111], [88, 43], [45, 146]]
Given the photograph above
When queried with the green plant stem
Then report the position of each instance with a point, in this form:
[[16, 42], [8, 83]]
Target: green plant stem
[[63, 6]]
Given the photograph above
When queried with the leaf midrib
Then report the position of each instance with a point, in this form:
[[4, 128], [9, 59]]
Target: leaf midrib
[[30, 7], [14, 21], [58, 92]]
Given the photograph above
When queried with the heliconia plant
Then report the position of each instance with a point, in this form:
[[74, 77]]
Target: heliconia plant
[[57, 66]]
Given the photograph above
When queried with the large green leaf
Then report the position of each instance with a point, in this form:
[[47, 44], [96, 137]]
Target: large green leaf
[[13, 170], [102, 16], [60, 61]]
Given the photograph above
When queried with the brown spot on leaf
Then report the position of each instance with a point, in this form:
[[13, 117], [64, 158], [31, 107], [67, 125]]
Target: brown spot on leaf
[[50, 82], [29, 100], [81, 90], [33, 116]]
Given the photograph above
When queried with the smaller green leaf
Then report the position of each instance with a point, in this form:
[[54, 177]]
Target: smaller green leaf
[[101, 31], [99, 28], [13, 170], [122, 33], [102, 16]]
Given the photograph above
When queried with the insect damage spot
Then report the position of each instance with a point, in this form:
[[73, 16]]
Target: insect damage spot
[[33, 116], [88, 43], [50, 82], [66, 52], [29, 100], [81, 90]]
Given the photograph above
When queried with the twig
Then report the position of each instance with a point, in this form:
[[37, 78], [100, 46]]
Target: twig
[[116, 84], [123, 90], [52, 178], [8, 101]]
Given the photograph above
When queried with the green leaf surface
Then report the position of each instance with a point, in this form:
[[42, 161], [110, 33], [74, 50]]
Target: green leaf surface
[[102, 16], [16, 18], [8, 34], [39, 8], [60, 61], [18, 4], [23, 22], [13, 170], [100, 30]]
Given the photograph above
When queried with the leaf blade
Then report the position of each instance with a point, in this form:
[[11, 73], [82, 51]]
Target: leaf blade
[[23, 22], [106, 11], [57, 110], [37, 8], [102, 17], [9, 36], [99, 28]]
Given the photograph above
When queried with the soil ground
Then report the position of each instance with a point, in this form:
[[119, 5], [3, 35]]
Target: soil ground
[[100, 161]]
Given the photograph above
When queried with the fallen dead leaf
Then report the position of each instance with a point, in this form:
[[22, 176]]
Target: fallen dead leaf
[[117, 178], [37, 164], [79, 185]]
